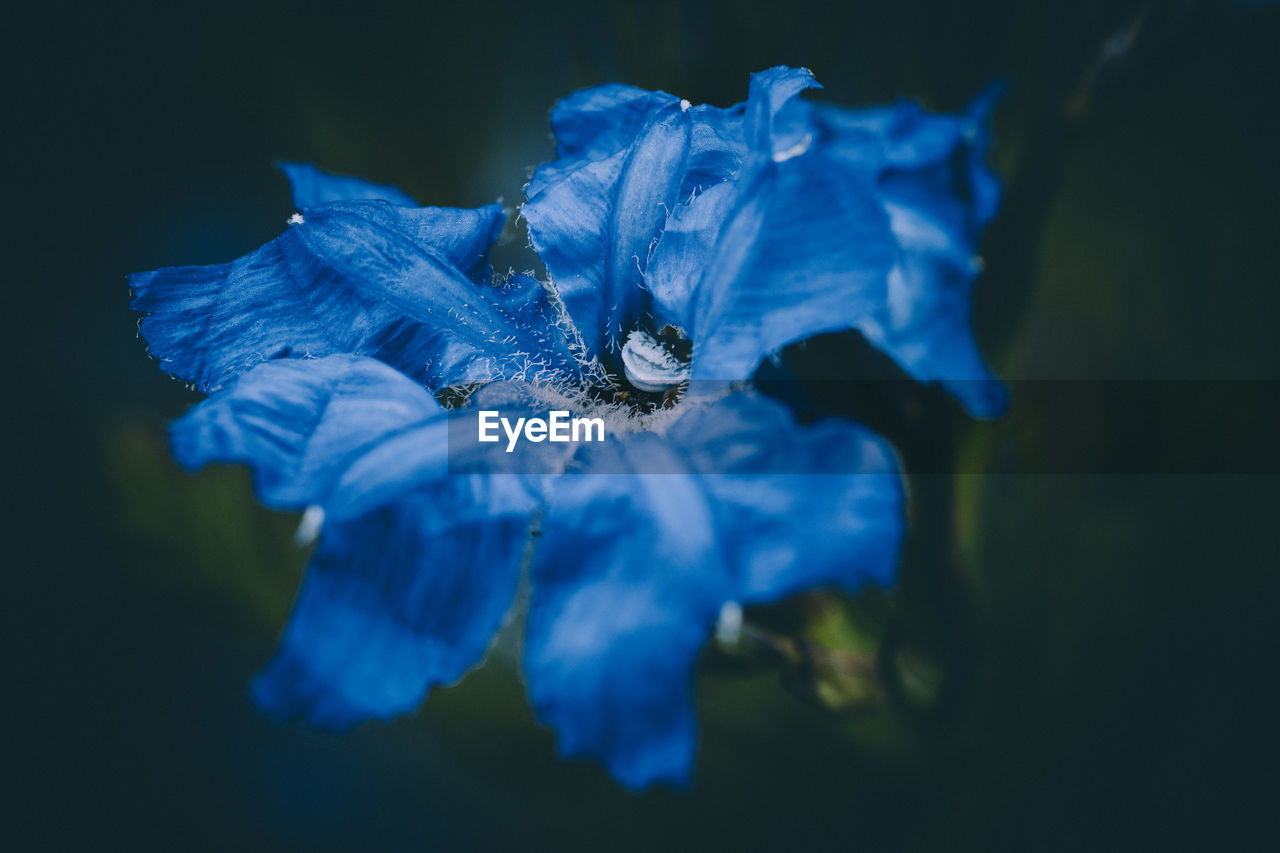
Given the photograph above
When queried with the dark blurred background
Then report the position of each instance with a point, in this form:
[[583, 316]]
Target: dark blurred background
[[1107, 638]]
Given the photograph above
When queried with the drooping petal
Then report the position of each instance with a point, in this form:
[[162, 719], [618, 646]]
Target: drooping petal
[[409, 286], [938, 193], [312, 187], [627, 580], [637, 557], [415, 566], [797, 507], [394, 602]]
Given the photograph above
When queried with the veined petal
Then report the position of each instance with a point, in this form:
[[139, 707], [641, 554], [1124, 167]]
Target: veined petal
[[346, 433], [601, 121], [593, 226], [312, 187], [302, 423], [912, 185], [408, 286], [626, 159], [636, 560], [891, 201]]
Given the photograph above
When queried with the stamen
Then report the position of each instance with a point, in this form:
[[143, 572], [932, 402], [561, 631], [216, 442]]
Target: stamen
[[649, 365], [729, 625], [309, 528]]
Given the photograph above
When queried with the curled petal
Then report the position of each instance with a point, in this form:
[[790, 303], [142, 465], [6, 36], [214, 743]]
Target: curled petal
[[594, 225], [769, 92]]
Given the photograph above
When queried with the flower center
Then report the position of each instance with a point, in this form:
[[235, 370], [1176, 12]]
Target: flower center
[[654, 364]]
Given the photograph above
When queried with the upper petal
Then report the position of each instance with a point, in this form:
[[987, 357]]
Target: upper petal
[[312, 187], [793, 247], [938, 193], [770, 91], [406, 285], [862, 219], [626, 159], [601, 121], [593, 225]]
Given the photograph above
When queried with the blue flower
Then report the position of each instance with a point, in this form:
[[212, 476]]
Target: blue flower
[[344, 358]]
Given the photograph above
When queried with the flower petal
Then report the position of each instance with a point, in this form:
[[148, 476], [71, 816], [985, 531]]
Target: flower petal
[[312, 187], [395, 602], [415, 567], [626, 585], [770, 91], [627, 158], [593, 227], [603, 120], [636, 559], [797, 507], [792, 248], [302, 423], [832, 219], [938, 194], [408, 286]]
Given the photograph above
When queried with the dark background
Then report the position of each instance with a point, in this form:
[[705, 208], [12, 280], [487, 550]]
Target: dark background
[[1108, 637]]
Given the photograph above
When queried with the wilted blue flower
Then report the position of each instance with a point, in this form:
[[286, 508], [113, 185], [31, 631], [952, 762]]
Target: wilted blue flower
[[327, 353]]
